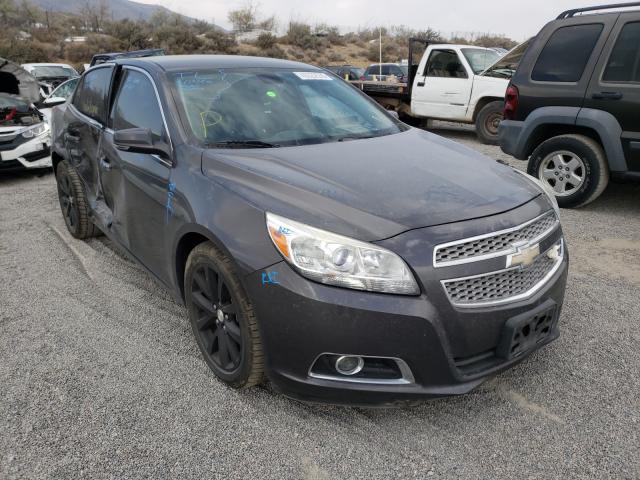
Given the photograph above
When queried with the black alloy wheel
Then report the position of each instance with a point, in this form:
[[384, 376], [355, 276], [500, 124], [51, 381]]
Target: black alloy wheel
[[217, 321], [68, 203], [73, 203], [222, 318]]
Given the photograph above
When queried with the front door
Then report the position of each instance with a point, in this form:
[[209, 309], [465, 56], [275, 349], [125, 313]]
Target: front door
[[443, 88], [615, 86], [136, 186], [84, 124]]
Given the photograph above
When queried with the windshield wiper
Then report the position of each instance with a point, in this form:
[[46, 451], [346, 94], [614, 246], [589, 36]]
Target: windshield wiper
[[241, 144]]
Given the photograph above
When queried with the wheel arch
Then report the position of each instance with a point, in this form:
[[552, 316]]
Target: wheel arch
[[190, 237], [483, 102], [56, 158], [547, 131]]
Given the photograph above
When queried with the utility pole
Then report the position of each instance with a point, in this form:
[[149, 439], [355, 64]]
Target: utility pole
[[380, 64]]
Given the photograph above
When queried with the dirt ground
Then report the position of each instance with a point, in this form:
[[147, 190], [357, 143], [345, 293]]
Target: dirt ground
[[100, 376]]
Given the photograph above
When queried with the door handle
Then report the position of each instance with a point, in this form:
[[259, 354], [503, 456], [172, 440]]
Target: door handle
[[71, 138], [420, 84], [105, 164], [607, 96]]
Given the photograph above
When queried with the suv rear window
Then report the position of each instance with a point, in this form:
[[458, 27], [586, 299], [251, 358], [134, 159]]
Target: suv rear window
[[565, 56], [624, 62]]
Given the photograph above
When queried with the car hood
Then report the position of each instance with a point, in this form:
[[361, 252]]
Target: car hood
[[22, 82], [372, 188]]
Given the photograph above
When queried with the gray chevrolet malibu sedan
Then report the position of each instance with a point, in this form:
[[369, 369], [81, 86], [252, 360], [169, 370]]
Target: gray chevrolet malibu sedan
[[316, 241]]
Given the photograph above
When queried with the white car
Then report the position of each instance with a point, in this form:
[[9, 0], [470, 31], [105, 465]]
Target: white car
[[58, 97], [25, 140], [50, 75]]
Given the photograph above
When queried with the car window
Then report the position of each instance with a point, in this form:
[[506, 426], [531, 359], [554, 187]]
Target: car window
[[66, 89], [136, 105], [480, 58], [91, 97], [565, 56], [624, 62], [53, 71], [444, 63]]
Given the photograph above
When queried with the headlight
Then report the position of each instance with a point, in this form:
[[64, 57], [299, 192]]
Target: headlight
[[546, 189], [341, 261], [34, 131]]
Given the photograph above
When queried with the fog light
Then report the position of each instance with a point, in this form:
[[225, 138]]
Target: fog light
[[349, 365]]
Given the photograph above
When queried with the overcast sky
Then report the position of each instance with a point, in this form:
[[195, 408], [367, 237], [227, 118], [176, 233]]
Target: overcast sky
[[515, 18]]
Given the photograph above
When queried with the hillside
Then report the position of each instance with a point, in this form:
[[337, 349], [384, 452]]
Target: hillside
[[118, 9]]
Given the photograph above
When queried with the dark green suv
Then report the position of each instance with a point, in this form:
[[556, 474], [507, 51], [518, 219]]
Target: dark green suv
[[571, 108]]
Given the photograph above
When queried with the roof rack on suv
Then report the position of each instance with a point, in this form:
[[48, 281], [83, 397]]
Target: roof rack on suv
[[571, 13]]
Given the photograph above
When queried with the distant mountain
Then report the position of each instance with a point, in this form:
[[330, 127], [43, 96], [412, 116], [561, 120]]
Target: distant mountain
[[118, 9]]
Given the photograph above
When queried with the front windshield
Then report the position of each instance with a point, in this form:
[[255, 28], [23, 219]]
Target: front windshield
[[276, 107], [506, 67], [480, 59], [53, 71], [405, 69]]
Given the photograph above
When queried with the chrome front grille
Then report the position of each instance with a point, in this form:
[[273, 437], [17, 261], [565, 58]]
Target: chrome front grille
[[508, 285], [494, 244]]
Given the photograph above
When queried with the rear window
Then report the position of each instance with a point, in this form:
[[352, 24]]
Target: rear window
[[624, 63], [565, 56]]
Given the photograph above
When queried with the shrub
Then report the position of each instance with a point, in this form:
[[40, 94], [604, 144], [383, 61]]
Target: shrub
[[299, 34], [217, 41], [78, 52], [335, 57], [266, 41], [26, 51], [273, 52]]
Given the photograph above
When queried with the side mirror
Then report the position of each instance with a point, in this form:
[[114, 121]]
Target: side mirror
[[140, 140], [53, 101]]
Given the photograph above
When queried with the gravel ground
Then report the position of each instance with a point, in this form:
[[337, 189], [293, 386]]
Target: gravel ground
[[100, 376]]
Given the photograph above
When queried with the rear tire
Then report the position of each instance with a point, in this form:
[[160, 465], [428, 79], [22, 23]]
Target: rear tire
[[222, 318], [584, 160], [487, 122], [73, 203]]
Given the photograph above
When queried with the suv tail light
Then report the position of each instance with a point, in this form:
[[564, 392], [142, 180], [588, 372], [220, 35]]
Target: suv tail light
[[511, 99]]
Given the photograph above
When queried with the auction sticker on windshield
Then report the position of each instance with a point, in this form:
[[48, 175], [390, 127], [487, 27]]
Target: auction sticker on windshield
[[312, 76]]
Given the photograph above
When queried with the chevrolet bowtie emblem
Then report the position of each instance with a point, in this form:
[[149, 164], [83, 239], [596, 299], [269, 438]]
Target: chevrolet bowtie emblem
[[525, 255]]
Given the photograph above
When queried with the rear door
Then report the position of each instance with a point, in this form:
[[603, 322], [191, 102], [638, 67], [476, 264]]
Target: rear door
[[442, 87], [84, 122], [136, 185], [615, 87]]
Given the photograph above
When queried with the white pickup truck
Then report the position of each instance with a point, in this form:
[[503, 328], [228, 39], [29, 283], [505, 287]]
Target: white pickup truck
[[459, 83]]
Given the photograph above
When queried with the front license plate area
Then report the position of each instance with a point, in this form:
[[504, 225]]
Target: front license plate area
[[521, 334]]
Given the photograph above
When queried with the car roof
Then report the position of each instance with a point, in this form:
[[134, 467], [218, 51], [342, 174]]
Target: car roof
[[182, 62], [46, 65]]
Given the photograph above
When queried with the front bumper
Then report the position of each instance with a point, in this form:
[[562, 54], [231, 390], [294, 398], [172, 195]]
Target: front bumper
[[449, 350], [32, 154]]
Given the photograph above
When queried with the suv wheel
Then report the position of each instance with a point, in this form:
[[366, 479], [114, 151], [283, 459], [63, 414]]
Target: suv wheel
[[222, 318], [488, 121], [73, 203], [574, 166]]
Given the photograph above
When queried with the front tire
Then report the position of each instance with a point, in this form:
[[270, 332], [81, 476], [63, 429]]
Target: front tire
[[222, 318], [73, 203], [574, 166], [488, 121]]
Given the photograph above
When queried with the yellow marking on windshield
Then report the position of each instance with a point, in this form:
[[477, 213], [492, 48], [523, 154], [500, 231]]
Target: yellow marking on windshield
[[209, 122]]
